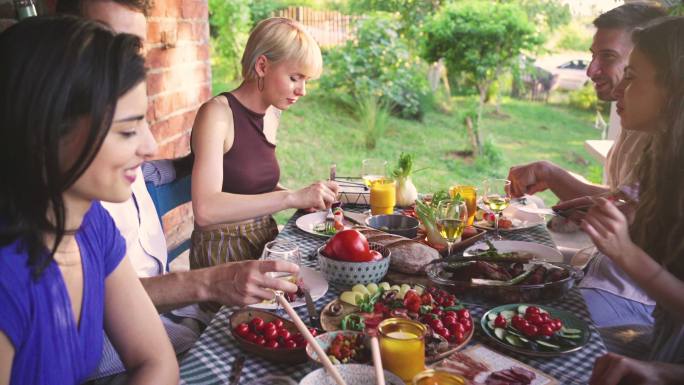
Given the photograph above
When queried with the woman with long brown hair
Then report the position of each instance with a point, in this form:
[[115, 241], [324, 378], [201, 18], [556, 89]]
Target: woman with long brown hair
[[651, 250]]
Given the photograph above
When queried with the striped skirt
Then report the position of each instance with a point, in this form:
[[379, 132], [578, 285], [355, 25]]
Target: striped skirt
[[231, 242]]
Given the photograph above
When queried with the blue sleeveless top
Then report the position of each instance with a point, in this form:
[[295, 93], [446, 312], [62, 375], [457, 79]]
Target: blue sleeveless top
[[37, 317]]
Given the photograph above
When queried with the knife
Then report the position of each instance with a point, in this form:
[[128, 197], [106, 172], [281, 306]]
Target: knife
[[236, 370], [314, 320]]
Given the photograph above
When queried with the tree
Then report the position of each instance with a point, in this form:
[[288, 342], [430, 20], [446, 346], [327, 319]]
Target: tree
[[479, 39], [412, 12]]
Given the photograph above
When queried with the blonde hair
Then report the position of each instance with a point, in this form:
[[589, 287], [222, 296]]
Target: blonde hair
[[281, 39]]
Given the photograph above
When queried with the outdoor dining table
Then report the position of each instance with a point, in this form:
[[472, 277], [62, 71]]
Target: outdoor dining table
[[209, 361]]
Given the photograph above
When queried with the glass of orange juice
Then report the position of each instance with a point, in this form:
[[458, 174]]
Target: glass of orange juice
[[402, 346], [469, 195], [383, 196]]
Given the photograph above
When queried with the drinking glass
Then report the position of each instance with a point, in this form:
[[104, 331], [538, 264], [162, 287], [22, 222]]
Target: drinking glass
[[285, 251], [452, 216], [402, 347], [469, 195], [383, 196], [497, 199], [373, 170]]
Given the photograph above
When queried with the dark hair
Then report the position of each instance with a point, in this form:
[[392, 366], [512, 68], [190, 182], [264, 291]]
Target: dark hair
[[629, 16], [659, 226], [59, 70], [75, 7]]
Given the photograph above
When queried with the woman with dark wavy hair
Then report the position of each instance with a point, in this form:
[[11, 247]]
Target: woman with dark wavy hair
[[651, 251], [72, 132]]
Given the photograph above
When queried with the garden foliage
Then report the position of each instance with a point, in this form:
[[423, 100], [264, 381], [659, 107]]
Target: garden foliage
[[378, 62]]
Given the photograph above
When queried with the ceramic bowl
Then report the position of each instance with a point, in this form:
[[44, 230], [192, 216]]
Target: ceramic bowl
[[324, 340], [351, 273], [394, 224], [353, 374]]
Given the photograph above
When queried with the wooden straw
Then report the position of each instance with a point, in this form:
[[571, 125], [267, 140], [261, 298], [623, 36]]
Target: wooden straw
[[377, 362], [329, 367]]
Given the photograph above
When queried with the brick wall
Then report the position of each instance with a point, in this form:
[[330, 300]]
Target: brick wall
[[178, 82]]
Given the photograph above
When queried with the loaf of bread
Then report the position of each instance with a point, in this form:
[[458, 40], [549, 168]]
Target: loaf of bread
[[408, 256]]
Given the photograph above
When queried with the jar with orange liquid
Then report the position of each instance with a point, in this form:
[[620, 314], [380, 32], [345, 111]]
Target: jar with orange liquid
[[469, 195], [437, 377], [402, 347], [383, 196]]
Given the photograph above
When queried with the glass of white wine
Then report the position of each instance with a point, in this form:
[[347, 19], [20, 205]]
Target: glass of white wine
[[284, 251], [497, 199], [373, 170], [452, 216]]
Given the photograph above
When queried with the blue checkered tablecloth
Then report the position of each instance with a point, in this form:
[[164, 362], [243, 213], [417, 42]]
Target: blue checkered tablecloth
[[210, 360]]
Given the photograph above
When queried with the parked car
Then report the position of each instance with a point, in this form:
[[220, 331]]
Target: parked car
[[570, 71]]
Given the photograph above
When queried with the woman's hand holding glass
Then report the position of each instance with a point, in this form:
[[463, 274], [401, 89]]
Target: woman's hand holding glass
[[452, 216]]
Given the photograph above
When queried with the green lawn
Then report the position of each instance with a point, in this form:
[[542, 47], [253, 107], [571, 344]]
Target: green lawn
[[317, 132]]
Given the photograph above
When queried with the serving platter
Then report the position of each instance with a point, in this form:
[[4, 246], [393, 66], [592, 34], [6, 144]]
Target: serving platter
[[540, 252]]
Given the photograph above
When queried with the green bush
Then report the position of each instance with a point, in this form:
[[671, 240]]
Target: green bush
[[373, 117], [574, 37], [378, 62], [230, 23], [585, 99]]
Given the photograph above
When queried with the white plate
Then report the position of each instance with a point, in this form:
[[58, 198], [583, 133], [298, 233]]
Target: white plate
[[541, 252], [521, 220], [307, 222], [313, 280]]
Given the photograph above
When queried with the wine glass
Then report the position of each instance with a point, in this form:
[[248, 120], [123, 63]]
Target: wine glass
[[373, 170], [497, 199], [284, 251], [452, 216]]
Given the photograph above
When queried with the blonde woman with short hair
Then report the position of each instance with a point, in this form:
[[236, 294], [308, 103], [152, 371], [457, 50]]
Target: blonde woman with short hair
[[235, 176]]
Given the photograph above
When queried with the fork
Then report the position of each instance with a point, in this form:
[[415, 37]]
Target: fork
[[329, 221]]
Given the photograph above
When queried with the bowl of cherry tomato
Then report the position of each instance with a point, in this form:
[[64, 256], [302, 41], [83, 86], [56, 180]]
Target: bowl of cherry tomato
[[342, 347], [269, 336]]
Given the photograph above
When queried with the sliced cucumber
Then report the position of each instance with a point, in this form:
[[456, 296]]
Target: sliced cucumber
[[547, 345], [491, 325], [500, 333], [492, 316], [565, 330], [514, 340], [508, 314], [522, 309], [571, 336]]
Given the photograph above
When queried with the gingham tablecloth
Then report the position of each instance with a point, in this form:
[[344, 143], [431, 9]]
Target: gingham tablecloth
[[210, 360]]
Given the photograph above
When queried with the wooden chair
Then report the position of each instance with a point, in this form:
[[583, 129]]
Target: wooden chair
[[167, 197]]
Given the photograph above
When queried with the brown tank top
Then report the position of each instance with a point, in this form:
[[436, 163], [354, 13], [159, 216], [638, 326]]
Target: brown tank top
[[250, 166]]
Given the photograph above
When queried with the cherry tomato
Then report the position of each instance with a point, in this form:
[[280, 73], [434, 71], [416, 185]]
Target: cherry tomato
[[426, 299], [545, 317], [546, 330], [284, 334], [500, 321], [458, 328], [278, 323], [460, 337], [300, 340], [251, 337], [436, 323], [412, 305], [257, 324], [437, 311], [271, 334], [411, 295], [272, 344], [532, 310], [242, 329], [516, 321], [313, 331], [260, 340], [467, 323], [530, 330], [535, 319], [450, 313], [557, 324], [449, 321], [447, 301], [290, 344], [463, 313], [376, 256], [444, 332]]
